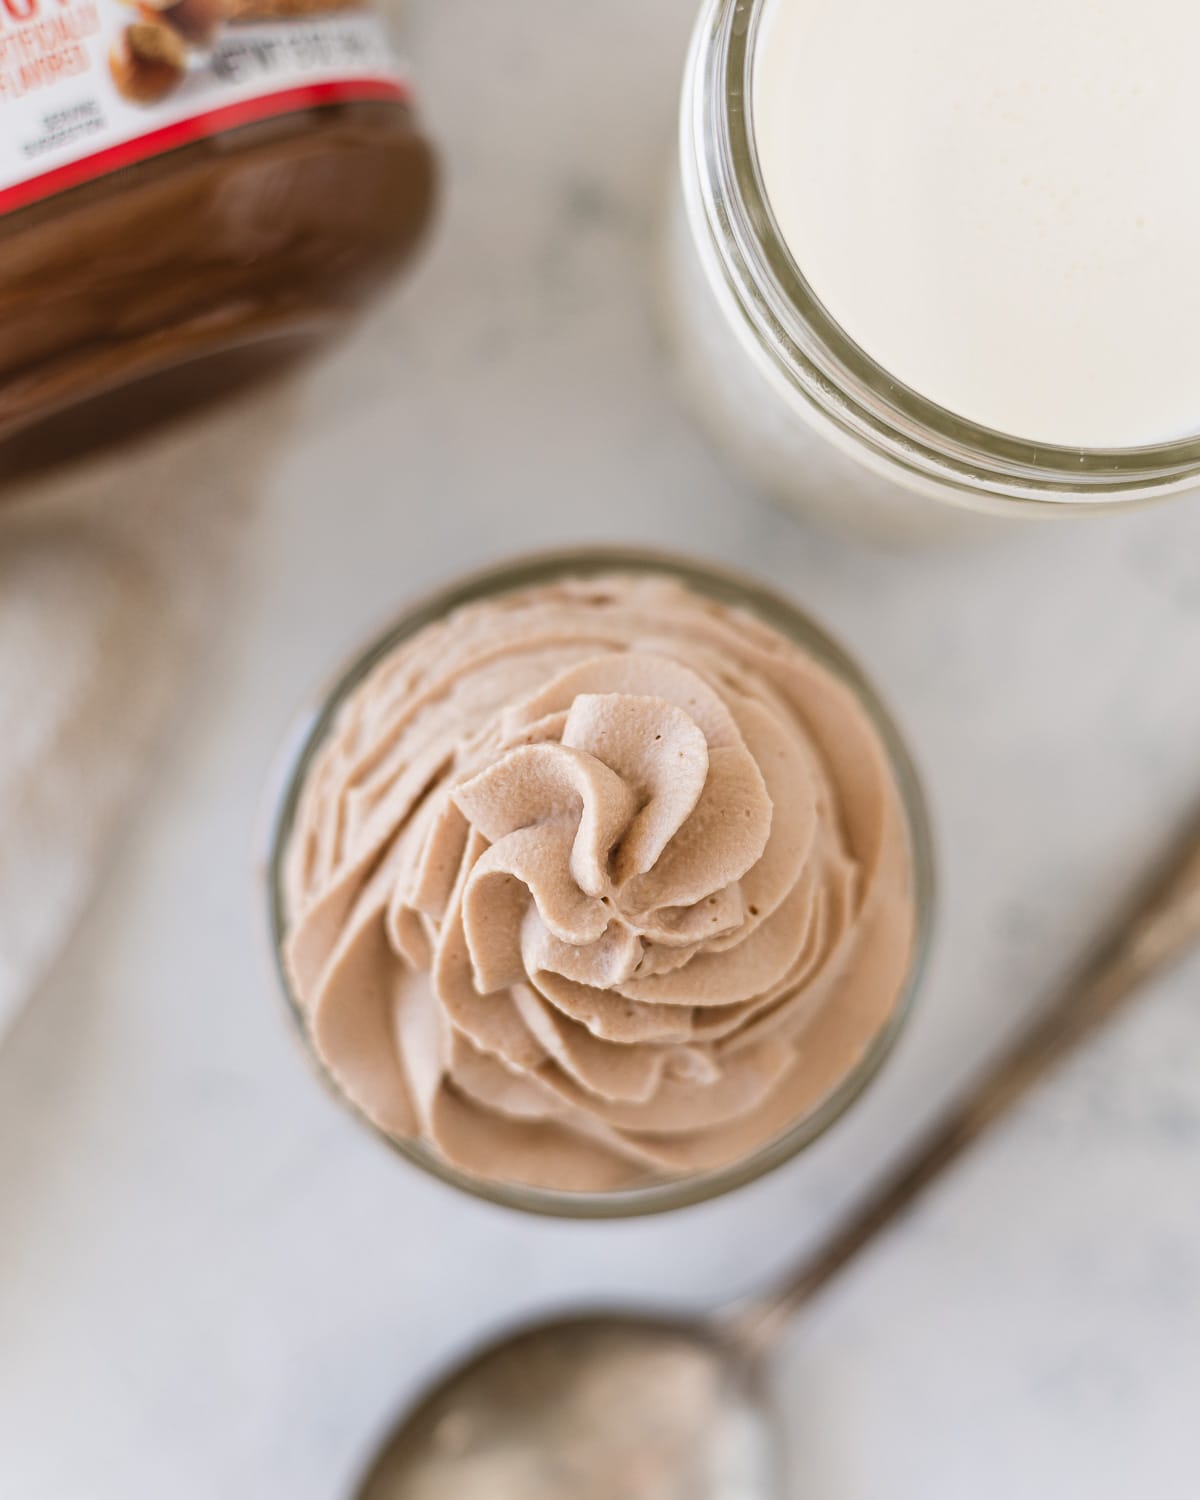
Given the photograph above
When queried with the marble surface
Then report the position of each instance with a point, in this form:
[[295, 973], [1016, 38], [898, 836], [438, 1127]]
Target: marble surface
[[212, 1284]]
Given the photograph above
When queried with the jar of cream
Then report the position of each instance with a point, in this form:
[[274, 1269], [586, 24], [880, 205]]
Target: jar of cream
[[928, 260]]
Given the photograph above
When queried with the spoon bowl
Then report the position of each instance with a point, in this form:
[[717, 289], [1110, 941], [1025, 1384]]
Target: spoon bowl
[[600, 1407]]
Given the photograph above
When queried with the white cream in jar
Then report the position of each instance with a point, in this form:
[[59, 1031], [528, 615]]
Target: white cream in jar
[[934, 252], [998, 201]]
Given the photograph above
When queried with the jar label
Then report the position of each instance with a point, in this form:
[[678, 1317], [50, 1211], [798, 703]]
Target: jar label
[[90, 86]]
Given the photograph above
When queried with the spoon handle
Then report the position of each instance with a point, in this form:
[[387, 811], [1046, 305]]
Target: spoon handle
[[1157, 930]]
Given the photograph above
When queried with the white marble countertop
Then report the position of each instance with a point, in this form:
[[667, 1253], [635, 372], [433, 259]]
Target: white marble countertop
[[213, 1284]]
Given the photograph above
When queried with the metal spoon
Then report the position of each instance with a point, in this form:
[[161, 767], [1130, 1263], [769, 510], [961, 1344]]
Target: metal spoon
[[641, 1407]]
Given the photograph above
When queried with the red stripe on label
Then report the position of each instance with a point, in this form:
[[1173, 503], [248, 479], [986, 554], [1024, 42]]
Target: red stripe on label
[[197, 128]]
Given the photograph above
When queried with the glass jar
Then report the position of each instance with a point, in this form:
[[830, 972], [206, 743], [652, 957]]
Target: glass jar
[[816, 421], [191, 193], [658, 1194]]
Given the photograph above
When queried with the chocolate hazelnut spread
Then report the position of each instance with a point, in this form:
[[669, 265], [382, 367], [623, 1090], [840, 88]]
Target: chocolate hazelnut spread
[[596, 882], [200, 181]]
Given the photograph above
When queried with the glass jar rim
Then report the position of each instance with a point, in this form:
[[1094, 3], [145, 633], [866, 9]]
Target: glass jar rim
[[729, 587], [911, 436]]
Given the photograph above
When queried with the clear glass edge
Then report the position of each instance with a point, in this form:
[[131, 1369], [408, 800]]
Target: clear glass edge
[[827, 368], [311, 726]]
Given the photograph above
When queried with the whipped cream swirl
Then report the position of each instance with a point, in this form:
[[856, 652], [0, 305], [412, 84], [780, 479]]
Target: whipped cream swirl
[[596, 882]]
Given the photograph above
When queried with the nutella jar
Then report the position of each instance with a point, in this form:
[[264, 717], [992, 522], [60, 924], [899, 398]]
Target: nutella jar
[[189, 192]]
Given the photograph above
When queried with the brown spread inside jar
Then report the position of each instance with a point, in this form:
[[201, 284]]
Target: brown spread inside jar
[[171, 280]]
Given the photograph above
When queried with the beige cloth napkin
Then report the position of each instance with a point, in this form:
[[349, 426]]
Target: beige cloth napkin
[[108, 575]]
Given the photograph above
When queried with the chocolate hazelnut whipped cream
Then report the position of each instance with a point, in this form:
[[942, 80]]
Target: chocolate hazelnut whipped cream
[[597, 882]]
